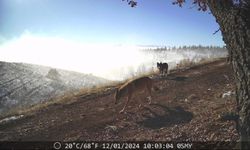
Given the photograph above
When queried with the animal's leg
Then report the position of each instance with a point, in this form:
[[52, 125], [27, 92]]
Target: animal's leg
[[128, 99], [140, 105], [150, 94], [165, 72]]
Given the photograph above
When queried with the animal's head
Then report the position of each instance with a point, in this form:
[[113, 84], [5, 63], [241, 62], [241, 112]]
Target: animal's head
[[117, 96], [158, 65]]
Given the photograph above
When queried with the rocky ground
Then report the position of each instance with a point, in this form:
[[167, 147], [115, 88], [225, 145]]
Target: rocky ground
[[188, 105]]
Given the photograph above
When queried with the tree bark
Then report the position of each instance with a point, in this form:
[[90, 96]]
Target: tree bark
[[234, 22]]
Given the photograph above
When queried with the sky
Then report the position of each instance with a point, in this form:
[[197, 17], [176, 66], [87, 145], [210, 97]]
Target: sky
[[108, 22]]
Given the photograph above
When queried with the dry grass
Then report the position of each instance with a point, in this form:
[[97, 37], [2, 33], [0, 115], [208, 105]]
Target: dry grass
[[189, 63], [71, 97], [32, 108], [66, 98]]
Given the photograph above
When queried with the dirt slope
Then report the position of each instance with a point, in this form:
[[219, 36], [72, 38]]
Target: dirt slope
[[187, 106], [23, 85]]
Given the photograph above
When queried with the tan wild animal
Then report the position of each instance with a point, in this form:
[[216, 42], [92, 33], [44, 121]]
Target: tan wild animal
[[130, 88]]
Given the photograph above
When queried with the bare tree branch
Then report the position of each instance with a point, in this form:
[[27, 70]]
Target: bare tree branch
[[216, 31]]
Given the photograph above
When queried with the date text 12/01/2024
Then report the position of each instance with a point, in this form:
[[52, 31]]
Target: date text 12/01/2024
[[125, 145]]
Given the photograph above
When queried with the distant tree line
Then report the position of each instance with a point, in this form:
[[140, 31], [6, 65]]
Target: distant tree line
[[192, 47]]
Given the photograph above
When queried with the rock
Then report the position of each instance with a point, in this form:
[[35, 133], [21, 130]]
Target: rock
[[113, 128], [192, 97], [227, 94], [53, 74], [196, 129], [8, 119], [211, 136]]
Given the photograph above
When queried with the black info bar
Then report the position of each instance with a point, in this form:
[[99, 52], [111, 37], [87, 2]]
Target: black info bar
[[129, 145]]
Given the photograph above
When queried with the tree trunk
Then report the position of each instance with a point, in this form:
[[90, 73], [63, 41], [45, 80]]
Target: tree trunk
[[234, 22]]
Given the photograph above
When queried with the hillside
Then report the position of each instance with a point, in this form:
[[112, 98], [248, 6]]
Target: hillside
[[187, 106], [22, 85]]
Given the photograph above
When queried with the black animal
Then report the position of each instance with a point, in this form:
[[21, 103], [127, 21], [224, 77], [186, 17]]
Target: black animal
[[163, 68]]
